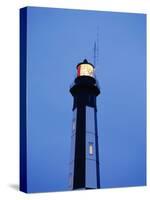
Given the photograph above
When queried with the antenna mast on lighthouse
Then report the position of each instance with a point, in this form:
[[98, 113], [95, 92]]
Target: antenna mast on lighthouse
[[96, 49]]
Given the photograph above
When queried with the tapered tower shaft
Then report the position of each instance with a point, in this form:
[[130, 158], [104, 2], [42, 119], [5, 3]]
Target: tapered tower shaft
[[84, 162]]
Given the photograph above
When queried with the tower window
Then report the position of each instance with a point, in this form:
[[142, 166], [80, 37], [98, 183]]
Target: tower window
[[74, 125], [90, 148]]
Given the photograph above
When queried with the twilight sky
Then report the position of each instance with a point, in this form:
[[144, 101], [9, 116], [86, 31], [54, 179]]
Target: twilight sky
[[57, 40]]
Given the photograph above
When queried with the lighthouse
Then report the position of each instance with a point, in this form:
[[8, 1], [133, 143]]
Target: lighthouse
[[84, 158]]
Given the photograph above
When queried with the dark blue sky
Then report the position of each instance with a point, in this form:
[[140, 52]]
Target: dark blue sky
[[58, 40]]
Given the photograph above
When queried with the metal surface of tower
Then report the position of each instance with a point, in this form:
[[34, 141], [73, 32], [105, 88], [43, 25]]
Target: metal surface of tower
[[84, 161]]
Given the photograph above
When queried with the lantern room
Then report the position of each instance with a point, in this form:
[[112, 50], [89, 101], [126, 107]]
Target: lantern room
[[85, 69]]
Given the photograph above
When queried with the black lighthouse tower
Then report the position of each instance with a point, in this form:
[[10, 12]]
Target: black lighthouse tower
[[84, 162]]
